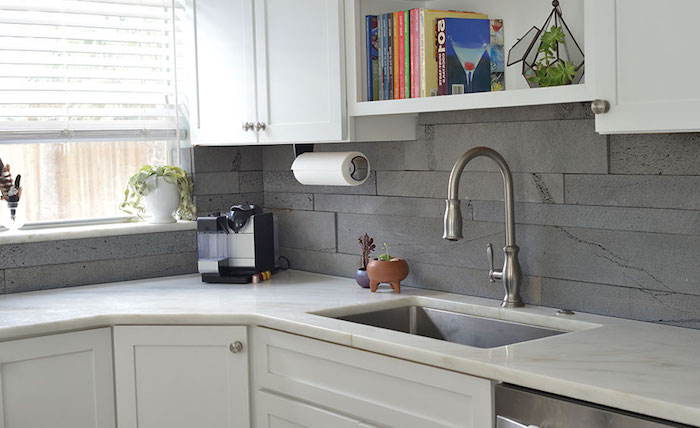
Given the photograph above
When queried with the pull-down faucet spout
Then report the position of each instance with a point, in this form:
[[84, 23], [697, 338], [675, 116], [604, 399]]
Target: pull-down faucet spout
[[510, 275]]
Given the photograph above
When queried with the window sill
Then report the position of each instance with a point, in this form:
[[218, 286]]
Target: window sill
[[91, 231]]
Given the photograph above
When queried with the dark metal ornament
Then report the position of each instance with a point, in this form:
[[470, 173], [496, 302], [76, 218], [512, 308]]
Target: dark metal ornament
[[526, 50]]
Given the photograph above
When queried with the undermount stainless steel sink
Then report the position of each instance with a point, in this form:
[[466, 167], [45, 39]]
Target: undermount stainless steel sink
[[451, 326]]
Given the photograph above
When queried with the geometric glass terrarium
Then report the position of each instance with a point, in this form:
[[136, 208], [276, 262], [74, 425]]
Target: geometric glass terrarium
[[551, 56]]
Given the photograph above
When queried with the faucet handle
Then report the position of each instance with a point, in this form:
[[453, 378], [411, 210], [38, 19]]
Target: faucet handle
[[494, 274], [489, 255]]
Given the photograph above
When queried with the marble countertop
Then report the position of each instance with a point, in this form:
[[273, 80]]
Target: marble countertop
[[640, 367]]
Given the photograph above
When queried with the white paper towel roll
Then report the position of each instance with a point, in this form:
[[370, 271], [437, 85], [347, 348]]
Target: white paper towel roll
[[331, 168]]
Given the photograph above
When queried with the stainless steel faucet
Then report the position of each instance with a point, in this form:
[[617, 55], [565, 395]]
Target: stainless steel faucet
[[510, 275]]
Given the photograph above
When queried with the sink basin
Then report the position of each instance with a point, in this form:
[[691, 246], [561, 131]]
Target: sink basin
[[451, 326]]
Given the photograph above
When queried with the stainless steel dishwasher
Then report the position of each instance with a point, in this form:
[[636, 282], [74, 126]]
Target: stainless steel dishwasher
[[518, 407]]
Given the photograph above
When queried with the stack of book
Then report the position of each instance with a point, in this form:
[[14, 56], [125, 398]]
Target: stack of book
[[422, 53]]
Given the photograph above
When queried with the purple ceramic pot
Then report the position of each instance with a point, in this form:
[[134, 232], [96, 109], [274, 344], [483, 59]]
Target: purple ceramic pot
[[362, 278]]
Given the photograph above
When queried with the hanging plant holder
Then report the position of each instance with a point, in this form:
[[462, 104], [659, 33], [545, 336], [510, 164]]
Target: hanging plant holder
[[551, 56]]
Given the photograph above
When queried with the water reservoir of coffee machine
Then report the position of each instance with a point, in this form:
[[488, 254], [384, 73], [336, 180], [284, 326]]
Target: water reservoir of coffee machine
[[212, 244]]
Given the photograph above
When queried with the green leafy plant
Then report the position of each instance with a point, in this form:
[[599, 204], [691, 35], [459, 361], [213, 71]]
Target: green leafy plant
[[386, 256], [367, 244], [549, 71], [144, 181]]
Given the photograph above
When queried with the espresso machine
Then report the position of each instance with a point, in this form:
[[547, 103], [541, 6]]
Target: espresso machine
[[233, 247]]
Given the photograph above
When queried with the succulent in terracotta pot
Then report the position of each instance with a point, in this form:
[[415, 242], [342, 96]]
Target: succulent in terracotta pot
[[367, 244], [387, 269]]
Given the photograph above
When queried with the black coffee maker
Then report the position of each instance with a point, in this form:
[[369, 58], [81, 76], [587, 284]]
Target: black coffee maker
[[233, 247]]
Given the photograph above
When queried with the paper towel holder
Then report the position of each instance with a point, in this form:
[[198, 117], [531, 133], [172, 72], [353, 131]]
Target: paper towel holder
[[302, 148], [335, 168]]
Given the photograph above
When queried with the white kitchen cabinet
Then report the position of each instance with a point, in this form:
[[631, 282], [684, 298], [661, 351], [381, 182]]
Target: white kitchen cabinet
[[369, 388], [299, 68], [273, 64], [57, 381], [648, 66], [224, 77], [275, 411], [181, 376]]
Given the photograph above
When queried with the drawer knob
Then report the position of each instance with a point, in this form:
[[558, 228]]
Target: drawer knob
[[600, 106], [235, 347], [260, 126], [247, 126]]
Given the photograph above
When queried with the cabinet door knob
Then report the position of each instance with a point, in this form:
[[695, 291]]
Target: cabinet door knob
[[235, 347], [247, 126], [260, 126], [600, 106]]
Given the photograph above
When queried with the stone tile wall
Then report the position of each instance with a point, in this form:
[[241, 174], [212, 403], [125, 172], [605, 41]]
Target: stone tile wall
[[66, 263], [608, 225]]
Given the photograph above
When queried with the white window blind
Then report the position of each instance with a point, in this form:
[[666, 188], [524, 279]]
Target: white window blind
[[87, 70]]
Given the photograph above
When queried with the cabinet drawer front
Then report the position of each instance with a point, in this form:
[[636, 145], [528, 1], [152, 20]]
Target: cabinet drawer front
[[371, 387], [274, 411]]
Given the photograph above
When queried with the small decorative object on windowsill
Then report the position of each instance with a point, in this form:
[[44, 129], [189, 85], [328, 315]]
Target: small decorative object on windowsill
[[367, 244], [551, 56], [13, 215], [160, 193], [387, 269]]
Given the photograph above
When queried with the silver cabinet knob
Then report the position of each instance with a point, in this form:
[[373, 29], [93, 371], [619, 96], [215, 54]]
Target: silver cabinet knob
[[600, 106], [247, 126], [235, 347], [260, 126]]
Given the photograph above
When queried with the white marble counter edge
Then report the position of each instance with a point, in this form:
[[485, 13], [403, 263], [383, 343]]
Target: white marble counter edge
[[96, 230], [632, 403]]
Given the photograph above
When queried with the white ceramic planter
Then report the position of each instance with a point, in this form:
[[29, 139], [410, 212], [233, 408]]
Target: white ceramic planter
[[162, 202]]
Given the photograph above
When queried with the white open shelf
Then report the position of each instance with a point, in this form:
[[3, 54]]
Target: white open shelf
[[518, 15]]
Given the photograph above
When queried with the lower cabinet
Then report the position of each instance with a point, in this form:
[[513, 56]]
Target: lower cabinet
[[57, 381], [181, 376], [358, 387], [274, 411]]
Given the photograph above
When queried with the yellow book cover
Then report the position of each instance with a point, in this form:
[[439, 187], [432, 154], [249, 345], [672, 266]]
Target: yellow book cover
[[396, 55], [428, 54]]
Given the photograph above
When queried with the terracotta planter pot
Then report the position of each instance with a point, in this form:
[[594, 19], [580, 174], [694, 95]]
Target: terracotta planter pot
[[392, 272]]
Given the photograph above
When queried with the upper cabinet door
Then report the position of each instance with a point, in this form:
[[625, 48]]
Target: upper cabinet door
[[224, 87], [649, 65], [300, 70]]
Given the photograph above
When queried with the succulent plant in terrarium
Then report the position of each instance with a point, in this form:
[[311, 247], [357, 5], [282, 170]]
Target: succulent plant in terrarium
[[550, 70]]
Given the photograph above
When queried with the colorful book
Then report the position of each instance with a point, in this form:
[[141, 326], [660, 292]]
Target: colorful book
[[464, 55], [390, 55], [395, 46], [498, 76], [380, 54], [401, 56], [372, 58], [407, 55], [415, 52], [428, 56]]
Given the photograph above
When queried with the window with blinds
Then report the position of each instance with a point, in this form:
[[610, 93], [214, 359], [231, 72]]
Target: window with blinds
[[88, 95], [87, 69]]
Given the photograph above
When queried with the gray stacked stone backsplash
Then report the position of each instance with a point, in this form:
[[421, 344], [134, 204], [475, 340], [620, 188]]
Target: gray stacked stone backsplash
[[608, 225], [227, 175], [65, 263]]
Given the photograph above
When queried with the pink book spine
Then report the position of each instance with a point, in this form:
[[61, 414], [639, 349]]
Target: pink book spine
[[402, 57], [415, 54]]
